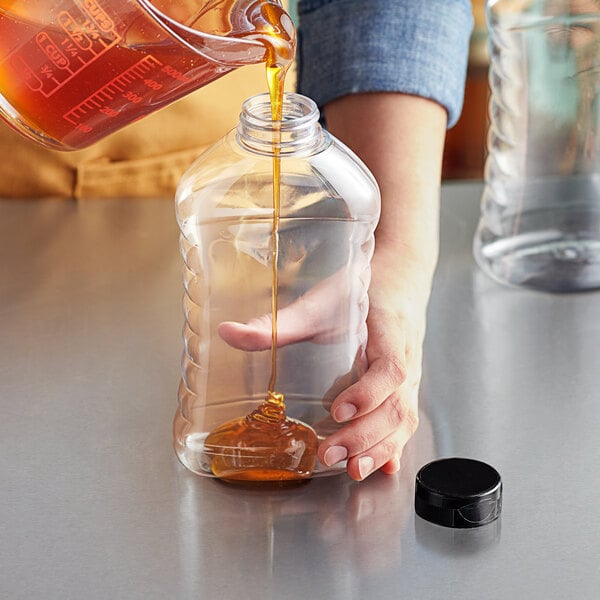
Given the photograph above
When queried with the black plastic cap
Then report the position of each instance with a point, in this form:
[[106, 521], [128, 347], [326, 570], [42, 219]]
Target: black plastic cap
[[458, 492]]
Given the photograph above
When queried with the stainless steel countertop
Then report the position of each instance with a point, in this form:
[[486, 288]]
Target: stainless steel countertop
[[93, 503]]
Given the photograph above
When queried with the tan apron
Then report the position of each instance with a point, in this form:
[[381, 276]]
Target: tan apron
[[145, 159]]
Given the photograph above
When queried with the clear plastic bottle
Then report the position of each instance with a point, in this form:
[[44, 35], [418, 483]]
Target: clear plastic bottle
[[329, 207], [540, 212]]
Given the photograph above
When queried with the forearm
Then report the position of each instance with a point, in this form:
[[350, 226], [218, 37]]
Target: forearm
[[400, 138], [389, 77]]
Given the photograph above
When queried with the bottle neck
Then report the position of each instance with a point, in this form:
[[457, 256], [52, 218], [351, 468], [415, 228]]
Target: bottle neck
[[297, 133]]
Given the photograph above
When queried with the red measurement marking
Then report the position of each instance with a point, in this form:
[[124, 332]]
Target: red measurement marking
[[54, 56], [74, 31], [26, 73], [114, 87], [175, 74], [51, 50], [96, 12]]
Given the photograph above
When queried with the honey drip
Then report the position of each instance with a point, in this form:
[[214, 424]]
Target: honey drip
[[266, 445]]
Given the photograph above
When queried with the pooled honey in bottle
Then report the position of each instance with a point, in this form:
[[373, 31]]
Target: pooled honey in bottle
[[266, 445]]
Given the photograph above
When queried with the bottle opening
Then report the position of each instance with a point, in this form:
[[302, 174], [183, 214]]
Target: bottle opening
[[298, 131]]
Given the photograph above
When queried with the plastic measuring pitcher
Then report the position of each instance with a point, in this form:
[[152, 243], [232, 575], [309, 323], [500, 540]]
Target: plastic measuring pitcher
[[74, 71]]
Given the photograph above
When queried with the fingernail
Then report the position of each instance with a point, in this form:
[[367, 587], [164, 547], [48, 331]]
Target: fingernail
[[344, 412], [365, 466], [334, 455], [395, 464]]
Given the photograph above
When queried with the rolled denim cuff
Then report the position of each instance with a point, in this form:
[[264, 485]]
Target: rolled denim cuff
[[409, 46]]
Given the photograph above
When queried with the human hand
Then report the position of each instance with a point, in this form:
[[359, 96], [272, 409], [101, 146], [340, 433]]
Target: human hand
[[380, 410], [403, 147]]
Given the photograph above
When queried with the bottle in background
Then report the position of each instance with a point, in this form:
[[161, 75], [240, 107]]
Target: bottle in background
[[540, 211]]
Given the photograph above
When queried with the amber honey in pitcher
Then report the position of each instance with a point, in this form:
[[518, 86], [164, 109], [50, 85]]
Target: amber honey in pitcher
[[72, 72]]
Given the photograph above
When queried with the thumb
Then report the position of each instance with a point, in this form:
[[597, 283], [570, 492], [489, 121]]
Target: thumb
[[292, 326], [254, 335]]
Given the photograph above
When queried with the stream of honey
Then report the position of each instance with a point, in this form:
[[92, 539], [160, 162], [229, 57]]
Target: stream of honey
[[266, 445]]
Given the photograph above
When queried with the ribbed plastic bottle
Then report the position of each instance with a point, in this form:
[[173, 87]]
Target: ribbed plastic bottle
[[540, 211], [322, 243]]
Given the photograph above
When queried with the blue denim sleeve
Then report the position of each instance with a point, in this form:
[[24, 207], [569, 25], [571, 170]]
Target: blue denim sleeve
[[417, 47]]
